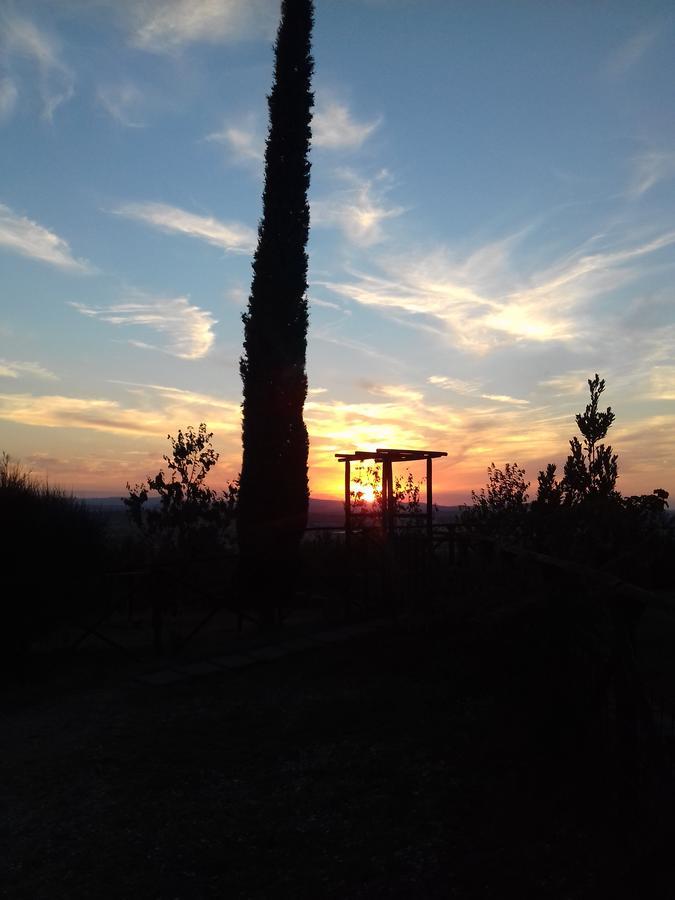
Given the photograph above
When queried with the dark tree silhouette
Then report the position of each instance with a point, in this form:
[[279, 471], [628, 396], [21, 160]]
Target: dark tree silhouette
[[274, 494], [591, 469]]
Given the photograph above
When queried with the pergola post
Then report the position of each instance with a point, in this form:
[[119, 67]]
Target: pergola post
[[388, 499], [430, 500], [348, 503]]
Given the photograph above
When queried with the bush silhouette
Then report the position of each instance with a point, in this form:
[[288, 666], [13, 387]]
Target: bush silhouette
[[192, 521], [52, 546]]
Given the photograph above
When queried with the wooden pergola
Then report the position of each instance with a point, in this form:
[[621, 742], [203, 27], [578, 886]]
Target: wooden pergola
[[386, 456]]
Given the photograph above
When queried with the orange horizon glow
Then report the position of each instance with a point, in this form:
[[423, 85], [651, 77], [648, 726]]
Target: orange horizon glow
[[91, 449]]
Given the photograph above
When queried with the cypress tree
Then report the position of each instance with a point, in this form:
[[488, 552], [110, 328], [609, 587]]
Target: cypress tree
[[274, 493]]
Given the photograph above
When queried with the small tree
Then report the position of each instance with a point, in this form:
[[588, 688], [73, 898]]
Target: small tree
[[583, 514], [191, 517], [591, 469]]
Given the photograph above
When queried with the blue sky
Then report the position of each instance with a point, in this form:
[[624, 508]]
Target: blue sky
[[492, 223]]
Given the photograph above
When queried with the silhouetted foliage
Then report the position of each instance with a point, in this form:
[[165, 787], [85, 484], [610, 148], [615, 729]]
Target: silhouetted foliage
[[502, 503], [549, 491], [191, 518], [52, 545], [366, 497], [591, 469], [274, 494], [581, 516], [506, 490], [584, 516]]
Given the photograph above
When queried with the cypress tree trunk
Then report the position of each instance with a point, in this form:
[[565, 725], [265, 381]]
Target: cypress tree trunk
[[274, 493]]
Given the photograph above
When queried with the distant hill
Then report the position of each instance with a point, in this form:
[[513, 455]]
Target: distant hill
[[322, 513]]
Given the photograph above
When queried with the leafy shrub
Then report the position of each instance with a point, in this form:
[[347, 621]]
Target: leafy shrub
[[191, 521], [501, 505]]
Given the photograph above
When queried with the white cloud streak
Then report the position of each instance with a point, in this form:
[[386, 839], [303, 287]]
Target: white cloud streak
[[57, 411], [123, 103], [480, 303], [456, 385], [10, 368], [243, 141], [629, 54], [651, 168], [22, 39], [187, 328], [21, 235], [359, 210], [472, 389], [230, 236], [166, 25], [334, 128], [505, 398]]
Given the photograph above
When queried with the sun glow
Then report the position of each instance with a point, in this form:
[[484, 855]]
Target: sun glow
[[363, 492]]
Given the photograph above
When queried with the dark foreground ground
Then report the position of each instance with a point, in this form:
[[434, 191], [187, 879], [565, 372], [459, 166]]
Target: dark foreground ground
[[420, 762]]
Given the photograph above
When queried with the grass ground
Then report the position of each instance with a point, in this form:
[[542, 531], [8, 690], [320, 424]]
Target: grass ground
[[419, 762]]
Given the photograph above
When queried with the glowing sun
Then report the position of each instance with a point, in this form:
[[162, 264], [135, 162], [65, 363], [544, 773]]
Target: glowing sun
[[367, 492]]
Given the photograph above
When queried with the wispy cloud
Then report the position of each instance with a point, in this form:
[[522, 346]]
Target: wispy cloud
[[8, 95], [505, 398], [327, 304], [23, 40], [187, 328], [153, 411], [651, 168], [58, 411], [566, 384], [334, 127], [328, 335], [123, 103], [472, 389], [481, 304], [224, 416], [231, 236], [402, 392], [662, 382], [165, 25], [243, 139], [359, 209], [23, 236], [456, 385], [629, 54], [10, 368]]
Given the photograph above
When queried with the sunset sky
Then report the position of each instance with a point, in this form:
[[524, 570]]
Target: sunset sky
[[493, 221]]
